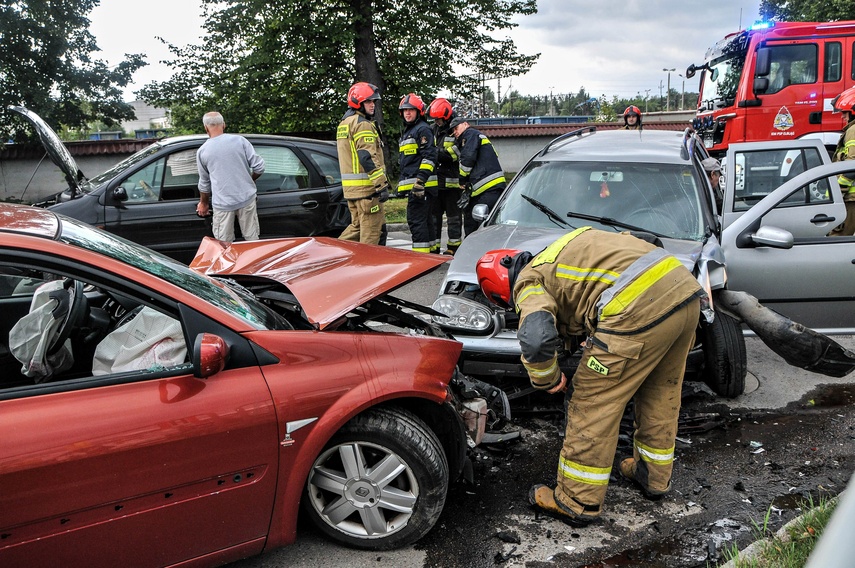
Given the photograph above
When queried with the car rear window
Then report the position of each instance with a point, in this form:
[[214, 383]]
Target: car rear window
[[662, 198]]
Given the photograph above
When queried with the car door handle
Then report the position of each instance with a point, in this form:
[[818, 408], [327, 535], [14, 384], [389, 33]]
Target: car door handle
[[822, 218], [312, 204]]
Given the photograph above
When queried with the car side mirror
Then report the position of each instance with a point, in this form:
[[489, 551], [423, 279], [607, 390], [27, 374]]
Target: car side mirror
[[210, 354], [773, 237], [480, 211], [120, 194]]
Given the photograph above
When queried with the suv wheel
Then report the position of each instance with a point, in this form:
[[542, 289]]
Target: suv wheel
[[725, 359]]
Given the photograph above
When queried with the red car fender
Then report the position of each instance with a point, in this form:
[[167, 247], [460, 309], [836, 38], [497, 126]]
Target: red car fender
[[331, 377]]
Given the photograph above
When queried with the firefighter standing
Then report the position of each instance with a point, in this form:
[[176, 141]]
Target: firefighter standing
[[447, 170], [363, 171], [417, 156], [481, 176], [845, 102], [637, 306], [632, 118]]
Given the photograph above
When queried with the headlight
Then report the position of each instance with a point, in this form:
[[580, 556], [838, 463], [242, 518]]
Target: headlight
[[463, 314]]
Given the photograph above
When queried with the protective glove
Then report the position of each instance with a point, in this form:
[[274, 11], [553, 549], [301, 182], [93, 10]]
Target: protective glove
[[464, 200], [383, 193], [419, 189]]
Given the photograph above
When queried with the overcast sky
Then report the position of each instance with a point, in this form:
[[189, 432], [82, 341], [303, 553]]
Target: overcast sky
[[610, 47]]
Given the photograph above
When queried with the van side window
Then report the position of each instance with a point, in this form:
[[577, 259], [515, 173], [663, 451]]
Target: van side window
[[833, 61], [852, 59], [792, 65]]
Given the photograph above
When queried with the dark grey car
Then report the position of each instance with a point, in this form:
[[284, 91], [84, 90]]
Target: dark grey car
[[150, 197]]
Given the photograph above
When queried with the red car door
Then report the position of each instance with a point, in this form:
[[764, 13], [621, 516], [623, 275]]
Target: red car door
[[137, 472]]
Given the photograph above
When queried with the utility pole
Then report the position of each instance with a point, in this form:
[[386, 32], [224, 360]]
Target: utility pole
[[660, 92], [646, 96], [668, 93]]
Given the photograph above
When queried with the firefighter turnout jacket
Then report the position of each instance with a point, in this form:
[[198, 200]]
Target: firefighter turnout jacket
[[591, 281], [360, 155], [447, 167], [846, 151], [479, 164], [418, 157]]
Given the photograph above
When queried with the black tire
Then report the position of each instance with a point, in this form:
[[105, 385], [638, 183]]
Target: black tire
[[725, 359], [404, 501]]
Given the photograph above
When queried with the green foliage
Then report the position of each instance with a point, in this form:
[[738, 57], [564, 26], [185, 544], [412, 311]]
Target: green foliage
[[46, 65], [807, 10], [285, 65]]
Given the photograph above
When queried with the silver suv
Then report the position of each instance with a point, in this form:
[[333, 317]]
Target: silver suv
[[653, 182]]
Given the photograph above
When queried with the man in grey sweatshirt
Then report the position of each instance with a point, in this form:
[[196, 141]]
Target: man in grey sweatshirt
[[228, 168]]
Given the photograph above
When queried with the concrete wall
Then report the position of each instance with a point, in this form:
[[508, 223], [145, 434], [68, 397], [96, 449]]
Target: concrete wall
[[514, 153], [48, 180]]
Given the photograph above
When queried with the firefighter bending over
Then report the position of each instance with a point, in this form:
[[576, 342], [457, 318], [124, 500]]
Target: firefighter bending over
[[637, 308]]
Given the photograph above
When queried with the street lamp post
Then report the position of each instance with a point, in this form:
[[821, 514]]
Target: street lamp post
[[646, 96], [668, 94], [683, 93]]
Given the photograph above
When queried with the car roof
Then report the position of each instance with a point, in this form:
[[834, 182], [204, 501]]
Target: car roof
[[18, 218], [252, 138], [648, 146]]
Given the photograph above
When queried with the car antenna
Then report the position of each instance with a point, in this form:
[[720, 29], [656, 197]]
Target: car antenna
[[566, 137]]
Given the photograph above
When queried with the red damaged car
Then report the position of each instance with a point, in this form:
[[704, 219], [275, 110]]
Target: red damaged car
[[154, 414]]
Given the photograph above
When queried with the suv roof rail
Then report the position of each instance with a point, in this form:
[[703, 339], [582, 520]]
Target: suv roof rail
[[568, 137]]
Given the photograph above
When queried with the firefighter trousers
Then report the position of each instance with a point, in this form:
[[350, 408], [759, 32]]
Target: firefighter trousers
[[367, 221], [420, 222], [446, 202], [648, 365]]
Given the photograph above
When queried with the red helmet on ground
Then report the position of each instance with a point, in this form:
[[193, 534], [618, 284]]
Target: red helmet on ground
[[361, 92], [845, 101], [440, 108], [497, 273], [412, 101]]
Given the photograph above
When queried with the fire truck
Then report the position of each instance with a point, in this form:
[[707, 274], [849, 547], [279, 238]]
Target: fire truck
[[775, 81]]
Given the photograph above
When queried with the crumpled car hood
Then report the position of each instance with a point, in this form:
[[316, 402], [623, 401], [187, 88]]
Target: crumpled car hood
[[329, 277], [535, 239]]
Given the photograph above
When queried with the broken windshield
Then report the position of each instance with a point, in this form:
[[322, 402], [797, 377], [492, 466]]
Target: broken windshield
[[664, 199]]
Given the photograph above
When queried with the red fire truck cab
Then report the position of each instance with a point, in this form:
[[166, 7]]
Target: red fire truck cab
[[775, 81]]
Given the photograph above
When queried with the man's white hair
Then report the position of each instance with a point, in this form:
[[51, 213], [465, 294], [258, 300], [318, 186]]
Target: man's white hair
[[213, 119]]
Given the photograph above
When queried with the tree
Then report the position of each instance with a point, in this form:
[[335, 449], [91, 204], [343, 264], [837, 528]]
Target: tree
[[285, 65], [807, 10], [47, 66]]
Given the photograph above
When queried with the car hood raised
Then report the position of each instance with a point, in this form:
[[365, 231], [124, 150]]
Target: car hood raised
[[534, 240], [54, 147], [329, 277]]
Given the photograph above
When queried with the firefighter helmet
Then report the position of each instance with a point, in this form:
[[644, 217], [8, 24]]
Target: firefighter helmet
[[361, 92], [631, 109], [497, 273], [412, 101], [845, 101], [440, 108]]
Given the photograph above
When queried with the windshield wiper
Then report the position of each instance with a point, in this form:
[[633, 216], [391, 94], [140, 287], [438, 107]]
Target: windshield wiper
[[613, 223], [553, 216]]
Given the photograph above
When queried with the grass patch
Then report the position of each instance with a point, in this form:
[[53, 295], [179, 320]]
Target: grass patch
[[396, 210], [791, 549]]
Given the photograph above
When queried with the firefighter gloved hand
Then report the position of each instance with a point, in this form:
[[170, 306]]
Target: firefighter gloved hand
[[560, 387], [383, 193], [419, 189], [464, 200]]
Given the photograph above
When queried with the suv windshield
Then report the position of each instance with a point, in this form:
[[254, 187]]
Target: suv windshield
[[664, 199]]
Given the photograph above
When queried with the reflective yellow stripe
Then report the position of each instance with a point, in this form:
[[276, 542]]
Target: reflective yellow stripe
[[654, 455], [584, 473], [541, 373], [487, 186], [582, 274], [369, 136], [640, 285], [533, 290], [550, 253]]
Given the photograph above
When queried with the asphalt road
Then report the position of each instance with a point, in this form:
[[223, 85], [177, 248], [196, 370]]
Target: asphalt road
[[789, 435]]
